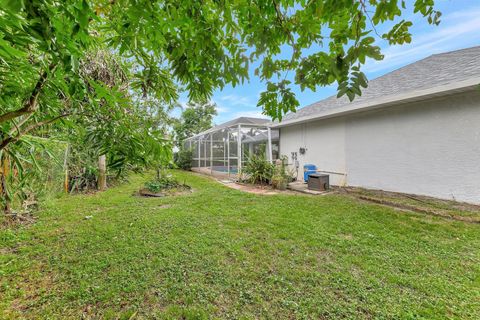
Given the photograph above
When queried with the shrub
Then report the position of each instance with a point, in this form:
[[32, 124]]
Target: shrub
[[281, 174], [258, 169], [183, 159], [161, 183], [279, 182]]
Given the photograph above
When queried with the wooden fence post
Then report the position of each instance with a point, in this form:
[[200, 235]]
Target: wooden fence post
[[102, 173], [5, 168], [65, 169]]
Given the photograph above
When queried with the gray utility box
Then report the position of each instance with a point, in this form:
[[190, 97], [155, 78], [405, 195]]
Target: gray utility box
[[319, 182]]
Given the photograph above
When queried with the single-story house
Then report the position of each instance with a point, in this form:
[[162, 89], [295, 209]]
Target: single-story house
[[414, 130]]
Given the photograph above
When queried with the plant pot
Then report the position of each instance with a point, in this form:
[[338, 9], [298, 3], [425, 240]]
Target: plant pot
[[282, 185], [279, 182]]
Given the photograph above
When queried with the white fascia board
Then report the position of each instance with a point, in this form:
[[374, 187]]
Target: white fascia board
[[412, 96]]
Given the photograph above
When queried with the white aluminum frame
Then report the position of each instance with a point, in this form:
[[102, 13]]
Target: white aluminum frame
[[202, 160]]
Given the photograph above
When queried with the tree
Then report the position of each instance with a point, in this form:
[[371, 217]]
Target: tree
[[194, 119], [50, 71], [171, 45], [202, 45], [123, 130], [42, 45], [205, 45]]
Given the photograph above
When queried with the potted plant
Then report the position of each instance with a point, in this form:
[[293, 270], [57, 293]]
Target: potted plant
[[279, 182]]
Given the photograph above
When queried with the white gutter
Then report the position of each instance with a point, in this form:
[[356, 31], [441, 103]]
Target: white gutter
[[447, 89]]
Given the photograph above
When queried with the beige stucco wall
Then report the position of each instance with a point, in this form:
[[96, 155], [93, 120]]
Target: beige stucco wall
[[430, 148]]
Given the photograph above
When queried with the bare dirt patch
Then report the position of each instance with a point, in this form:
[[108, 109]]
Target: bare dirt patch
[[17, 219], [164, 193], [255, 189], [448, 209]]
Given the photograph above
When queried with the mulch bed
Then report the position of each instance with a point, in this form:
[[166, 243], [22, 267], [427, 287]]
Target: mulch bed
[[164, 193]]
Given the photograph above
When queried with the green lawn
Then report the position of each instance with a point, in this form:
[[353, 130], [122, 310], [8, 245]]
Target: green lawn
[[221, 253]]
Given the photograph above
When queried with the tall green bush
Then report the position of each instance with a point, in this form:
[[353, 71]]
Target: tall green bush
[[183, 159], [31, 170], [258, 169]]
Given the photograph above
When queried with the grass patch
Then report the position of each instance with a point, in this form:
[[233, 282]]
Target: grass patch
[[222, 253]]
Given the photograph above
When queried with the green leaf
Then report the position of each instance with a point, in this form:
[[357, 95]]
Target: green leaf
[[13, 5]]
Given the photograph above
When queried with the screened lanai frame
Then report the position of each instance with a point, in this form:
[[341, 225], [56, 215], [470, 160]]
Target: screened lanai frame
[[225, 148]]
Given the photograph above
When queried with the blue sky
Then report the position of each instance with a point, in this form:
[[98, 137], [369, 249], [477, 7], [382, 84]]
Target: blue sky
[[460, 28]]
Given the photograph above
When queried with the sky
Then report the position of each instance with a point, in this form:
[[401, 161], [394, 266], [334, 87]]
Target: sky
[[459, 28]]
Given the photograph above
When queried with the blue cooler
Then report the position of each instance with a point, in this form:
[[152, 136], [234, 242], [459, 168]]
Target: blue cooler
[[308, 169]]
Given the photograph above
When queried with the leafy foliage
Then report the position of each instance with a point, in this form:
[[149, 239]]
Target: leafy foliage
[[195, 118], [183, 159], [258, 169], [33, 169], [163, 182], [102, 67], [203, 45], [278, 99], [89, 89], [208, 44], [281, 174]]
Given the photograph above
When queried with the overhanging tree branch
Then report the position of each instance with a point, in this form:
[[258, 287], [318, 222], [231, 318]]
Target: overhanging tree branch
[[30, 104], [31, 127], [18, 125], [281, 20]]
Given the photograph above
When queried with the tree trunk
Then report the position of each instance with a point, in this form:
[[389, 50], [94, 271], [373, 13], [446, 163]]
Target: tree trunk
[[102, 173], [3, 185]]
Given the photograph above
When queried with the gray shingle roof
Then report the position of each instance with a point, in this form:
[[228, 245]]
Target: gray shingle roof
[[433, 71]]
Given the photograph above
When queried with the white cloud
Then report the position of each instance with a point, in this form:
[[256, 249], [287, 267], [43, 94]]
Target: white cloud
[[462, 14], [238, 106], [457, 30], [221, 118], [221, 109], [237, 100]]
